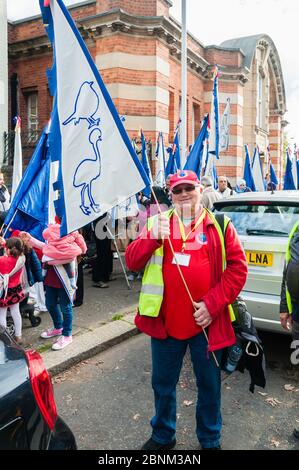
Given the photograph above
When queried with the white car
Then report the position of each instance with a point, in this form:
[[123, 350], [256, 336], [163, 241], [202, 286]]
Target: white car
[[263, 221]]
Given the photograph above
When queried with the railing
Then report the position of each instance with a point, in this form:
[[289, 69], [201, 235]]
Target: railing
[[29, 139]]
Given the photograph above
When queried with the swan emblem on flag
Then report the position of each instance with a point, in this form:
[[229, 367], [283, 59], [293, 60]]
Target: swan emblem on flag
[[92, 168], [86, 106], [89, 169]]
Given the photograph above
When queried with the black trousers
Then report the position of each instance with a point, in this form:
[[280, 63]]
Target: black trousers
[[80, 284], [103, 265]]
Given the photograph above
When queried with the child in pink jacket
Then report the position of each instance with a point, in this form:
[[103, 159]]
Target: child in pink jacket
[[59, 254], [59, 250]]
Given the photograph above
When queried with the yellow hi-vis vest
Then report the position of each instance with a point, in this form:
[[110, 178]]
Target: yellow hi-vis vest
[[288, 257], [151, 295]]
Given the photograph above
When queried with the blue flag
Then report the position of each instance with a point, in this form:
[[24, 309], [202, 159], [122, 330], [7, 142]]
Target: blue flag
[[248, 176], [29, 207], [273, 178], [194, 160], [174, 161], [144, 160], [98, 168], [214, 117], [288, 176]]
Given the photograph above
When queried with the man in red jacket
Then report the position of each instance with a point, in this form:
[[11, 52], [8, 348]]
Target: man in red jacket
[[197, 246]]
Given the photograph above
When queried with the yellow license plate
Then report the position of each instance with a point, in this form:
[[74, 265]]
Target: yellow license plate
[[258, 258]]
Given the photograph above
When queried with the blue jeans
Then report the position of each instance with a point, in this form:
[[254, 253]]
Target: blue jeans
[[62, 314], [167, 359]]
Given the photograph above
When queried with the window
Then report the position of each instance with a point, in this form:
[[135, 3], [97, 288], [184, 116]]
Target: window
[[260, 84], [32, 113], [264, 219], [196, 123]]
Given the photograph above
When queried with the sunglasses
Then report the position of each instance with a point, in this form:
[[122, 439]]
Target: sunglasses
[[188, 189]]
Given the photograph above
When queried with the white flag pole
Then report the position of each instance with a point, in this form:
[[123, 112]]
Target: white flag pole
[[184, 86], [17, 160]]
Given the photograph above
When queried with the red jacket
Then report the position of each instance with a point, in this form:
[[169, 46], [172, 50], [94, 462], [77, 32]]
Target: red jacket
[[225, 286]]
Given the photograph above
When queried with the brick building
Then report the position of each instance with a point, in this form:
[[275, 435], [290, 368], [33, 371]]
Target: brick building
[[136, 46]]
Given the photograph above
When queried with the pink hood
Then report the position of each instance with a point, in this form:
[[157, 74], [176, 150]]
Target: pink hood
[[57, 247]]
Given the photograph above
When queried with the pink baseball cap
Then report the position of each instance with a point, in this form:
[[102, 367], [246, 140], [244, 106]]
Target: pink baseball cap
[[183, 176]]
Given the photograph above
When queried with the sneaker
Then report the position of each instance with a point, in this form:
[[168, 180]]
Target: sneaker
[[112, 278], [115, 255], [101, 284], [131, 277], [51, 332], [153, 445], [62, 342]]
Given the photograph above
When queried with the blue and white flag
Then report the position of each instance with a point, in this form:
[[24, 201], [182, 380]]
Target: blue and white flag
[[98, 168], [160, 153], [29, 208], [225, 128], [248, 177], [195, 159], [288, 176], [214, 117], [257, 171], [210, 167], [146, 166]]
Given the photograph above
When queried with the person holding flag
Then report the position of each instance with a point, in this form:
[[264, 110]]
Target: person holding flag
[[187, 239]]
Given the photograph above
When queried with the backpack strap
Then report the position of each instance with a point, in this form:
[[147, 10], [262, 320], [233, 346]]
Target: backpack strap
[[220, 219]]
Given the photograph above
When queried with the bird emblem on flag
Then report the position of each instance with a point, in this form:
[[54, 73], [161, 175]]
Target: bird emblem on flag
[[89, 169], [86, 106]]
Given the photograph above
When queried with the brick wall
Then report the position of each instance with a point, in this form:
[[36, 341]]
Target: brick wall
[[144, 80], [135, 7], [35, 28]]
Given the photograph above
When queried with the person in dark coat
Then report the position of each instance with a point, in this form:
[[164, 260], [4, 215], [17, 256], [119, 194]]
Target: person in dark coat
[[103, 265]]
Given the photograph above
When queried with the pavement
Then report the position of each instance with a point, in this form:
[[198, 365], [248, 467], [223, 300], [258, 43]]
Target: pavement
[[105, 319], [108, 401]]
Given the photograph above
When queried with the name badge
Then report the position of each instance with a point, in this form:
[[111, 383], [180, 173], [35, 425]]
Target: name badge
[[181, 259]]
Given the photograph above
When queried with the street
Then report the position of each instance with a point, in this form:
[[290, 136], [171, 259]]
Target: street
[[107, 401]]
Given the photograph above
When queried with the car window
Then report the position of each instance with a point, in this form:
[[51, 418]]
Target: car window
[[261, 219]]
